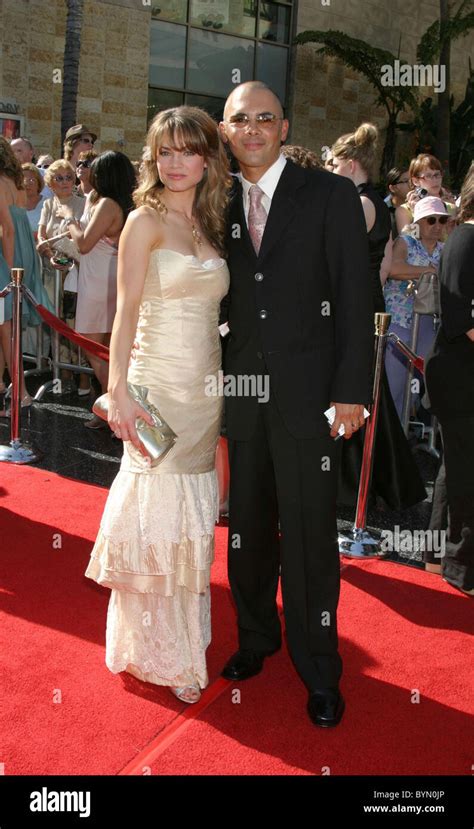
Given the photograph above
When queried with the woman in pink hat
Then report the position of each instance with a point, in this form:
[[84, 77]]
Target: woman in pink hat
[[411, 258], [426, 179]]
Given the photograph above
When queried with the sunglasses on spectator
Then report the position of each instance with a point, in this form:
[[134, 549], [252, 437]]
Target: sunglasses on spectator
[[433, 219], [403, 181], [431, 176], [60, 179], [43, 166], [263, 119], [83, 163], [84, 140]]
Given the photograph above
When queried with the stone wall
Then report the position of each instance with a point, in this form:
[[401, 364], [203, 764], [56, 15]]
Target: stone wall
[[330, 99], [113, 77]]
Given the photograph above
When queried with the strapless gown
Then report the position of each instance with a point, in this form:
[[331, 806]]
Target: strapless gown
[[155, 544]]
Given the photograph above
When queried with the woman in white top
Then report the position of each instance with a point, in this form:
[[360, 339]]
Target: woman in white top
[[113, 180]]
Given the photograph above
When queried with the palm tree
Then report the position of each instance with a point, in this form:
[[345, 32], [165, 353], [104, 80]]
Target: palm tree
[[72, 53], [369, 61], [435, 45]]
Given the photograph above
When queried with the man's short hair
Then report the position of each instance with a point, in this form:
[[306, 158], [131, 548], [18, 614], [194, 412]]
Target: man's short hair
[[25, 139]]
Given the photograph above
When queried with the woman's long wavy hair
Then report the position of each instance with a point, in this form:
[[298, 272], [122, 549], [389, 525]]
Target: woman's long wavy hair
[[9, 164], [191, 128]]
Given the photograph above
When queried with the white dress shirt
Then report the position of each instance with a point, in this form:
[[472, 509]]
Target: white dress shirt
[[267, 183]]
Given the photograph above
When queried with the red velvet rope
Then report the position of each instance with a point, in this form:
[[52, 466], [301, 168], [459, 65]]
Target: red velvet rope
[[97, 349], [419, 363], [102, 351]]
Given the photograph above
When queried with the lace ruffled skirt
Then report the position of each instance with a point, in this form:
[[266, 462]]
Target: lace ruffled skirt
[[154, 549]]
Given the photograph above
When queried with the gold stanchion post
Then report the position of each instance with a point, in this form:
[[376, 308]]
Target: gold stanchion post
[[17, 451], [359, 542]]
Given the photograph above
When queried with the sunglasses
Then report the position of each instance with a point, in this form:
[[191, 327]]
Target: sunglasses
[[402, 181], [83, 140], [84, 164], [60, 179], [263, 119], [433, 219]]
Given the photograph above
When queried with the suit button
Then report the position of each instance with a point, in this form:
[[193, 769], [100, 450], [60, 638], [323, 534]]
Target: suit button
[[260, 355], [258, 277], [263, 315]]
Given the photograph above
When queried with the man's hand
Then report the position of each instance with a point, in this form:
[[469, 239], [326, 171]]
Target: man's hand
[[350, 415]]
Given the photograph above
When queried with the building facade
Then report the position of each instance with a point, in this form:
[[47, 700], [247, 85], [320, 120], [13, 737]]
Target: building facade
[[140, 56]]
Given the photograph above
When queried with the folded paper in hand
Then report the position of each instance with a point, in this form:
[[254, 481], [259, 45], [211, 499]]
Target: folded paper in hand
[[331, 414]]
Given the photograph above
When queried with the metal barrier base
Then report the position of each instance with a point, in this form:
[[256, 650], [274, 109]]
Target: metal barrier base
[[17, 451], [359, 543], [51, 385]]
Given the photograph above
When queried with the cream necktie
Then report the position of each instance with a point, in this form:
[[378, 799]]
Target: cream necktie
[[257, 216]]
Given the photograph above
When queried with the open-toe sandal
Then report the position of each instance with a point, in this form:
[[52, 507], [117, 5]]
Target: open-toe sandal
[[189, 693]]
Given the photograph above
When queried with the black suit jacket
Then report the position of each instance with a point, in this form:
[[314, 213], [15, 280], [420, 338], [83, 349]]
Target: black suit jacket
[[302, 310]]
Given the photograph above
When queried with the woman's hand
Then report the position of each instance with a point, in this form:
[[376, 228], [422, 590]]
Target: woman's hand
[[65, 212], [123, 412], [412, 198], [44, 248], [59, 267]]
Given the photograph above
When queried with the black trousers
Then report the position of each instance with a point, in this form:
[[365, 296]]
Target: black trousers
[[458, 442], [439, 510], [274, 476]]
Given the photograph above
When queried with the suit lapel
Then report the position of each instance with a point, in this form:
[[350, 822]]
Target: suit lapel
[[284, 204]]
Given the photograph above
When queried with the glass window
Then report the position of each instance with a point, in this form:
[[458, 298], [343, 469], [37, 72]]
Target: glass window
[[237, 16], [159, 99], [271, 68], [167, 53], [274, 23], [173, 10], [214, 106], [216, 63]]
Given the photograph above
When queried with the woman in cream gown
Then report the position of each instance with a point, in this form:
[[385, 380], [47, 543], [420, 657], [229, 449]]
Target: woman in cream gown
[[155, 545]]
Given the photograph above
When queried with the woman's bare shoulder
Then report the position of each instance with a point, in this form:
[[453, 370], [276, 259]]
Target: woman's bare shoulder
[[145, 223]]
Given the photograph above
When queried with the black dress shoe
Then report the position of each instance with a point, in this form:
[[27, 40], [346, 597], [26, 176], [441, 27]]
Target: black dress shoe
[[244, 664], [326, 707]]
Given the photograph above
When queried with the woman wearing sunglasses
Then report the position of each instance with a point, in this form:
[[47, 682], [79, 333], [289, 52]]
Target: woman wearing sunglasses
[[78, 140], [83, 172], [61, 177], [411, 258]]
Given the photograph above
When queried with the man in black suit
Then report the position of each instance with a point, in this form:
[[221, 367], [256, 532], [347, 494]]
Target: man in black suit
[[300, 315]]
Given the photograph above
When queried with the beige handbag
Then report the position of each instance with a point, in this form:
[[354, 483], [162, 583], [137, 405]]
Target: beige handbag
[[426, 291]]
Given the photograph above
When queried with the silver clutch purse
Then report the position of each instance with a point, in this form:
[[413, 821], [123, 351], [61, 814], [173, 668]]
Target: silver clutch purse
[[157, 440]]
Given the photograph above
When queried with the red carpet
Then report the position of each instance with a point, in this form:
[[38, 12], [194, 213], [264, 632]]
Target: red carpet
[[63, 712]]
